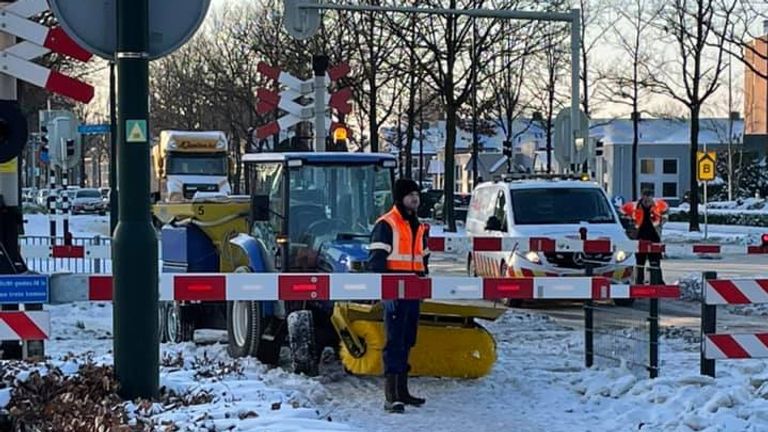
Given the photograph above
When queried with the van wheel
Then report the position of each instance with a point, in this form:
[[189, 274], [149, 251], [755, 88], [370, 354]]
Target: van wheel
[[471, 270], [624, 302], [503, 271]]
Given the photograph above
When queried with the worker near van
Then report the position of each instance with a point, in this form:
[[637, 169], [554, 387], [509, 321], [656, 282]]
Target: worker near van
[[399, 245], [647, 214]]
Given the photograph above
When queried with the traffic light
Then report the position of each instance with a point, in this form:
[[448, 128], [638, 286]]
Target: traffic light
[[45, 155], [765, 241], [70, 148]]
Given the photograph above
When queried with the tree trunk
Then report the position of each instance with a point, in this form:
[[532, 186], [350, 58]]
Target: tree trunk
[[694, 184], [373, 124], [450, 163], [635, 148]]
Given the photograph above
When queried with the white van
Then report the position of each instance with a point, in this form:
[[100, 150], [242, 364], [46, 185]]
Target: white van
[[545, 208]]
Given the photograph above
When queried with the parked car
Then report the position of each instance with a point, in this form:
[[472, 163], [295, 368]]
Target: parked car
[[429, 198], [42, 197], [460, 207], [88, 201]]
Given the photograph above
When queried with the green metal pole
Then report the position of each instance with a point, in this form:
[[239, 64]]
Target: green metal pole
[[136, 342], [113, 208]]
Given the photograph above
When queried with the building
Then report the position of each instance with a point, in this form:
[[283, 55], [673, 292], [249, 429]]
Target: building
[[663, 152]]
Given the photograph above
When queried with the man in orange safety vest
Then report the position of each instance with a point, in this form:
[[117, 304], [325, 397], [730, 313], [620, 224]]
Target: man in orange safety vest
[[648, 215]]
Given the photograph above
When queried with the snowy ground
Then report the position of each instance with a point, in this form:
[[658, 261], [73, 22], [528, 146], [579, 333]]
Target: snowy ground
[[538, 384]]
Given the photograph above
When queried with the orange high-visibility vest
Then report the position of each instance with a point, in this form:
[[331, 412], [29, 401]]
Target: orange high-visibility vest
[[636, 212], [407, 254]]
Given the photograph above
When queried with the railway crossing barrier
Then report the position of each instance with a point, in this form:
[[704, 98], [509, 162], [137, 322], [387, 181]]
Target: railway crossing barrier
[[724, 346]]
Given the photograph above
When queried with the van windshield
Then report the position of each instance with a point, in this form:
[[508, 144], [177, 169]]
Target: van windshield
[[560, 206]]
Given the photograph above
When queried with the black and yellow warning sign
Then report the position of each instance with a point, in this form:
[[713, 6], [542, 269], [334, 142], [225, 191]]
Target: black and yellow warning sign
[[705, 166]]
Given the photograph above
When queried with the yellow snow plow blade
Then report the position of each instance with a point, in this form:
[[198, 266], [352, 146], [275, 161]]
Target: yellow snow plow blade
[[449, 342]]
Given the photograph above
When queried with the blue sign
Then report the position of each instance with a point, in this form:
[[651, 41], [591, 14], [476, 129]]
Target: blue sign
[[23, 289], [93, 129]]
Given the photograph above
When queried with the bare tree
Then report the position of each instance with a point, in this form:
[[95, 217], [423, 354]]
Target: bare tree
[[595, 25], [552, 63], [629, 85], [698, 64]]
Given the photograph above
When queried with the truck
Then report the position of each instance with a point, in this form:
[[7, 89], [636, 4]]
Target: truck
[[307, 213], [187, 162]]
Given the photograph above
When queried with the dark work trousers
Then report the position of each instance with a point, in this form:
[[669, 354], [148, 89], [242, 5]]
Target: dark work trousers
[[654, 261], [401, 321]]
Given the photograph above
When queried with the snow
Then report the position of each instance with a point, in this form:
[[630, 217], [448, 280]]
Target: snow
[[79, 225], [538, 384]]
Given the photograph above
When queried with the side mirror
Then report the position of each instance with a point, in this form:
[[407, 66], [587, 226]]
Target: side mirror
[[260, 208], [493, 224]]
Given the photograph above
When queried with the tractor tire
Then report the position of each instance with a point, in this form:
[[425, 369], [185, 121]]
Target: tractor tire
[[179, 325], [161, 325], [301, 339], [245, 333]]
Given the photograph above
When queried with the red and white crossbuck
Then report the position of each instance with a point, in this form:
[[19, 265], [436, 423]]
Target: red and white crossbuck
[[39, 40]]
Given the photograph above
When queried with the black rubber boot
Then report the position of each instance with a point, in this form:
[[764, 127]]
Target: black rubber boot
[[394, 403], [405, 396]]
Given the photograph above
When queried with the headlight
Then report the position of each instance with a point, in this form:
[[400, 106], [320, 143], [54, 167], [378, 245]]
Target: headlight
[[533, 257], [620, 256]]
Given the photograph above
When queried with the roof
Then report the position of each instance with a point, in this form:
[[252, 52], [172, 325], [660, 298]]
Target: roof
[[325, 157], [713, 131], [549, 184]]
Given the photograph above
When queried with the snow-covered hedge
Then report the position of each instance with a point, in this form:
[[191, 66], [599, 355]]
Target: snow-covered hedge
[[742, 219]]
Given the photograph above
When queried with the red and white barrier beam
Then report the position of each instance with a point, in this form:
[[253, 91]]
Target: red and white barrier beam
[[358, 286], [42, 251], [736, 291], [24, 326], [456, 244], [736, 346]]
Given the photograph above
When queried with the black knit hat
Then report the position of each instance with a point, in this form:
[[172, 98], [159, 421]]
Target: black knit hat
[[403, 187]]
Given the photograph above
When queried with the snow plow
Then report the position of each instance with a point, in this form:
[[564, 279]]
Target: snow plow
[[307, 213]]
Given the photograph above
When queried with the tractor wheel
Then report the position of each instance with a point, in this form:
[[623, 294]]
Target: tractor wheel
[[161, 326], [179, 327], [301, 339]]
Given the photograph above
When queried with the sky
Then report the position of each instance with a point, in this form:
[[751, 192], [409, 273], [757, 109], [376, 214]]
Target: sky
[[658, 104]]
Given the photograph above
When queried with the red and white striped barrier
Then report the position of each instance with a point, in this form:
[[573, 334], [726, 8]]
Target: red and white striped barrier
[[22, 325], [42, 251], [358, 286], [456, 244], [736, 291], [736, 346]]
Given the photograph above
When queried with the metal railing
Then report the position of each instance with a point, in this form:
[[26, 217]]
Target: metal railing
[[72, 265]]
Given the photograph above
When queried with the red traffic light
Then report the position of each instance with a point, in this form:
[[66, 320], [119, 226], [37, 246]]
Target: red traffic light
[[765, 240]]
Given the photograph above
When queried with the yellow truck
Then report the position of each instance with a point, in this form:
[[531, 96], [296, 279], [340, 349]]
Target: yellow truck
[[186, 163]]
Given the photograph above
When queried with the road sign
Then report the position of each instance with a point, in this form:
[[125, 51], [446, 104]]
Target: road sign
[[93, 129], [706, 166], [23, 289], [564, 141], [40, 40], [136, 130], [92, 24], [300, 23]]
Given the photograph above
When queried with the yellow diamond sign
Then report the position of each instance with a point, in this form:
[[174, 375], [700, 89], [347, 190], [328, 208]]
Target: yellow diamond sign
[[705, 167]]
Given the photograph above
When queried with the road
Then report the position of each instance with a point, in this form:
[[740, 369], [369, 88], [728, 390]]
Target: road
[[683, 314]]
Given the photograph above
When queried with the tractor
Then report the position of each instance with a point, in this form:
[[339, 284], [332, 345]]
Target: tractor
[[307, 213]]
